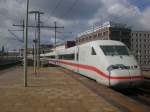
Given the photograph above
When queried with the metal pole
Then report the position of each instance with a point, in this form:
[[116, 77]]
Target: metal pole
[[23, 31], [35, 55], [25, 47], [38, 43], [35, 52], [23, 25], [55, 35], [39, 34]]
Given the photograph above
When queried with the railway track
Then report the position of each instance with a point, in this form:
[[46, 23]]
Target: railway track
[[8, 64], [137, 94], [146, 86], [140, 94], [118, 99]]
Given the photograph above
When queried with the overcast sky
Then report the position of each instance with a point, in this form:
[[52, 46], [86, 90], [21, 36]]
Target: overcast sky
[[75, 15]]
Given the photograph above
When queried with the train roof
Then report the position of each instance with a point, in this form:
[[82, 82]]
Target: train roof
[[96, 42], [47, 54], [106, 42]]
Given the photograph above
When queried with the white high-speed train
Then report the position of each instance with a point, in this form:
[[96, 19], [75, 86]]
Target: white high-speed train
[[106, 61]]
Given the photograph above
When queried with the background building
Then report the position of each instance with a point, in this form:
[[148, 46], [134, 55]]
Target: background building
[[45, 48], [108, 31], [140, 46]]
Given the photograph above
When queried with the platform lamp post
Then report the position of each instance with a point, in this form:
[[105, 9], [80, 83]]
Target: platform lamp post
[[26, 46]]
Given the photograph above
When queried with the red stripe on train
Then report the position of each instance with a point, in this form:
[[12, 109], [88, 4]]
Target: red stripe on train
[[99, 72]]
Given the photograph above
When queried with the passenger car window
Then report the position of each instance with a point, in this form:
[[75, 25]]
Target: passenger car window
[[93, 51]]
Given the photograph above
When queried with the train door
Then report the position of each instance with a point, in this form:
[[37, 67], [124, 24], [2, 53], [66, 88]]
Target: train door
[[93, 60], [77, 58], [87, 60], [82, 59]]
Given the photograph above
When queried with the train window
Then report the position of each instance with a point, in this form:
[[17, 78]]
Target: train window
[[53, 57], [115, 50], [93, 51], [67, 56]]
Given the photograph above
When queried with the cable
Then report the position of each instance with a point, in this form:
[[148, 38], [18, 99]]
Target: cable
[[142, 4], [16, 37], [57, 5], [137, 2], [70, 8], [54, 10]]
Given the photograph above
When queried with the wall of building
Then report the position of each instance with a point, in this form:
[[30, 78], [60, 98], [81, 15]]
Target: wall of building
[[121, 34], [140, 46]]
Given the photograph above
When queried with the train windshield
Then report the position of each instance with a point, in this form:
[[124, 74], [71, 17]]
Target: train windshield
[[110, 50]]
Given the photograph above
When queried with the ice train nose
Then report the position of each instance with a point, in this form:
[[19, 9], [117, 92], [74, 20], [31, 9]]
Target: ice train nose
[[124, 77]]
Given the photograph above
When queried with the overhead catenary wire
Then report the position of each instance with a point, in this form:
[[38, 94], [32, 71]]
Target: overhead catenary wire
[[56, 7], [67, 12], [54, 10], [70, 9], [142, 4], [137, 2], [118, 16], [15, 36], [72, 6]]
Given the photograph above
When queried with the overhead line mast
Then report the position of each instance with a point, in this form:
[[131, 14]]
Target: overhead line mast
[[38, 13]]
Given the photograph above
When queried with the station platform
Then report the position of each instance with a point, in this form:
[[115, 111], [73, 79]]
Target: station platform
[[51, 90]]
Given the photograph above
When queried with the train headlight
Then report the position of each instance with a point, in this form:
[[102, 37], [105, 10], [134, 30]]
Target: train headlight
[[135, 66], [121, 67], [117, 66]]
